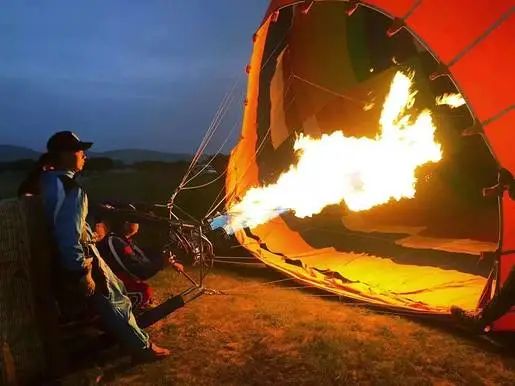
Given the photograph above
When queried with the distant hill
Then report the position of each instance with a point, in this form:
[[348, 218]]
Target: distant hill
[[9, 153], [130, 156]]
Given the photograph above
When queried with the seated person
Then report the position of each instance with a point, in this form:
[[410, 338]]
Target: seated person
[[30, 186], [129, 262]]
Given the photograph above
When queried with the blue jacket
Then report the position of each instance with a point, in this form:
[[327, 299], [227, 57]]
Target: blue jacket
[[66, 207]]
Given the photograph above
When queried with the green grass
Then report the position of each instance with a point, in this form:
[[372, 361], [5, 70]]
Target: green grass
[[270, 335], [9, 182], [149, 186]]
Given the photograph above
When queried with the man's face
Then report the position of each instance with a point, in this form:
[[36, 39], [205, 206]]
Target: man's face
[[100, 230], [131, 228], [74, 160]]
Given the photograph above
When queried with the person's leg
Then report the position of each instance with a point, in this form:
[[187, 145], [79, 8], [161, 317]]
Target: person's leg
[[115, 308], [116, 312], [138, 291], [145, 293]]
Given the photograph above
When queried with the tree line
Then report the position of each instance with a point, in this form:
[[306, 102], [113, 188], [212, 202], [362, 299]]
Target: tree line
[[102, 164]]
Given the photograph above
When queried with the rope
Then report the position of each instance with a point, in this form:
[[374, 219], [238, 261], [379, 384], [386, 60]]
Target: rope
[[354, 100], [243, 290], [220, 113], [246, 170], [275, 50], [225, 107], [222, 107], [378, 308], [198, 152], [207, 137], [211, 130], [214, 207], [214, 125], [261, 284], [284, 288], [205, 184], [238, 263], [218, 121], [214, 156], [186, 213], [236, 257]]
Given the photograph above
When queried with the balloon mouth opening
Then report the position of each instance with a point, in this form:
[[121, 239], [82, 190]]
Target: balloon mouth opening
[[324, 72], [314, 83]]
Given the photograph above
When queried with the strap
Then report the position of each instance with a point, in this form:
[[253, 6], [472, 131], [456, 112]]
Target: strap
[[61, 195], [117, 257], [68, 183], [64, 185], [141, 253]]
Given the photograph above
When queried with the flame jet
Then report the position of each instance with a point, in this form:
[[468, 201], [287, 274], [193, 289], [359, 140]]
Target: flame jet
[[365, 172]]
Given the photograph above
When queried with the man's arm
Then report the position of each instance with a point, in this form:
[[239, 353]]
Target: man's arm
[[68, 228], [133, 261], [64, 208]]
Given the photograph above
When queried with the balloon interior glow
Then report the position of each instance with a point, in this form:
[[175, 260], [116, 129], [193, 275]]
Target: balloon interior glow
[[335, 169]]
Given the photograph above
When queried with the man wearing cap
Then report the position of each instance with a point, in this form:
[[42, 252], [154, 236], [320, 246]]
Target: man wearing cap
[[66, 207]]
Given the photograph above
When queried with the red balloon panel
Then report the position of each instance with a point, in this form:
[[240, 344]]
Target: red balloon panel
[[458, 23], [396, 8], [499, 133], [506, 323], [485, 73]]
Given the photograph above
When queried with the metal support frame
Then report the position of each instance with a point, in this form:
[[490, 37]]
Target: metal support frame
[[197, 288], [505, 181]]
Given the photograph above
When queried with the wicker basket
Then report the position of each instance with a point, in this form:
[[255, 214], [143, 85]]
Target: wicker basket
[[28, 321]]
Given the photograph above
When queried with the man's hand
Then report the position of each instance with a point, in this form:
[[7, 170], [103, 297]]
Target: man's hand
[[178, 267], [87, 284]]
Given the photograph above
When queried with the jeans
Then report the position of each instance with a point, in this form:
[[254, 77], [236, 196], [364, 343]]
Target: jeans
[[115, 309]]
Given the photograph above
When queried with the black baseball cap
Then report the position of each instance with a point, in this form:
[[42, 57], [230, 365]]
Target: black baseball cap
[[66, 141]]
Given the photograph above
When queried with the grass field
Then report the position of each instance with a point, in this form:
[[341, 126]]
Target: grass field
[[9, 182], [150, 186], [278, 334]]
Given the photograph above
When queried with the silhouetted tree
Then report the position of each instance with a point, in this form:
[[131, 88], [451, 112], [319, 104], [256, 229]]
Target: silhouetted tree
[[100, 164], [19, 165]]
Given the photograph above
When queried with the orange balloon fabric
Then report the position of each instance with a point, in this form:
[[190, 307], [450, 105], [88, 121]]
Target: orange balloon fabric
[[298, 57]]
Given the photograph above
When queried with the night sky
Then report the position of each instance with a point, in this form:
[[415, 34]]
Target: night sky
[[124, 74]]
